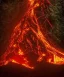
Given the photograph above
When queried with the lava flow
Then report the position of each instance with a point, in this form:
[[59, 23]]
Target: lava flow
[[28, 43]]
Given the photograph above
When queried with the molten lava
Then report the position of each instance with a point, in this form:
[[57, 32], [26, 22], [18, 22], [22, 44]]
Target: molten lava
[[29, 38]]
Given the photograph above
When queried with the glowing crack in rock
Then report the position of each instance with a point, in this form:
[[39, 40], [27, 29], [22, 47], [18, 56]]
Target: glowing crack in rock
[[28, 37]]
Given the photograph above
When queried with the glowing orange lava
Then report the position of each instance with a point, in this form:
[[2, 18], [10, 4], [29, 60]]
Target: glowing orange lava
[[28, 37]]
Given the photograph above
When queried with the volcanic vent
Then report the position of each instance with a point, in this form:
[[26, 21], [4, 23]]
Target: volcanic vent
[[30, 41]]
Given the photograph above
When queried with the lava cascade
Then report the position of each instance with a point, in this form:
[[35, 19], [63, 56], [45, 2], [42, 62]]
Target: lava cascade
[[30, 37]]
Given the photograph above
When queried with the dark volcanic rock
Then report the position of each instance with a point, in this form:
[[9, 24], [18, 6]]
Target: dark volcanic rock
[[57, 15]]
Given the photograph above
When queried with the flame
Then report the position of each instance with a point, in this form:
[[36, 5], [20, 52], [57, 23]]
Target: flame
[[20, 36]]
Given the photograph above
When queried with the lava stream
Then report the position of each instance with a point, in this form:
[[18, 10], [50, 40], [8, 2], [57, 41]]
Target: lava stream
[[21, 42]]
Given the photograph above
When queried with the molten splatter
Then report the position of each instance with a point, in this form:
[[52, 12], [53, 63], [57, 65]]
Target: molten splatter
[[28, 37]]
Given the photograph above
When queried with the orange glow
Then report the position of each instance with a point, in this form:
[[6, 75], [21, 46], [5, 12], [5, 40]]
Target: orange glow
[[28, 36], [14, 61], [58, 60], [20, 52], [28, 66], [25, 64], [31, 2]]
